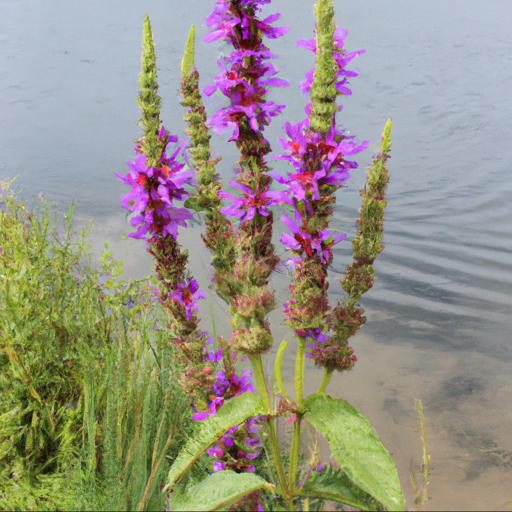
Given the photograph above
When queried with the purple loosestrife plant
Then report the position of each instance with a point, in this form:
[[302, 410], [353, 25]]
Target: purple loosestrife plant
[[244, 79], [158, 179], [320, 156], [245, 76], [237, 417], [236, 450], [158, 183]]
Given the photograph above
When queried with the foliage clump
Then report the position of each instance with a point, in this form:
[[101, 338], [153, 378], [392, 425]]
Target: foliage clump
[[89, 409]]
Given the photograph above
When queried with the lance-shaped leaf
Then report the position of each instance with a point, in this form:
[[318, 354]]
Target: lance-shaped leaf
[[218, 491], [357, 448], [187, 62], [233, 412], [333, 484]]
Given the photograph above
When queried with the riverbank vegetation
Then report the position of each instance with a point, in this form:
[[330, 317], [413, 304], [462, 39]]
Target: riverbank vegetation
[[90, 410]]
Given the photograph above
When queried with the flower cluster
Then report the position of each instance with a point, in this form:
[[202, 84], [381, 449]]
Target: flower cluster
[[320, 167], [240, 445], [342, 59], [246, 73], [324, 351], [244, 208], [154, 191], [187, 293], [321, 164]]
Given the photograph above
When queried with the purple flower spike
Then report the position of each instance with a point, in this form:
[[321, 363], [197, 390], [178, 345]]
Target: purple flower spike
[[240, 444], [246, 75], [320, 164], [155, 191]]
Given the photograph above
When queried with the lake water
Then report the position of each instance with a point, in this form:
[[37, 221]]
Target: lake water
[[440, 315]]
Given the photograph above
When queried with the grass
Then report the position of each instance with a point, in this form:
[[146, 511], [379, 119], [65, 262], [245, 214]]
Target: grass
[[90, 413]]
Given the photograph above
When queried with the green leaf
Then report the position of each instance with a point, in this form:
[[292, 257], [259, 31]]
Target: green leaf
[[233, 412], [187, 63], [334, 485], [357, 448], [218, 491], [277, 369]]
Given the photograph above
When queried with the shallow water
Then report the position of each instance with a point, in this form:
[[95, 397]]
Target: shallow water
[[440, 315]]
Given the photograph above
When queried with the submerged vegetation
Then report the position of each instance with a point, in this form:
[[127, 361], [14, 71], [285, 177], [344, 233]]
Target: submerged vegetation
[[114, 396]]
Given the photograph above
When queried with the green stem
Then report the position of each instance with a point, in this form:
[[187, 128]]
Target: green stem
[[325, 381], [299, 374], [277, 369], [259, 380], [261, 387], [294, 454], [299, 398]]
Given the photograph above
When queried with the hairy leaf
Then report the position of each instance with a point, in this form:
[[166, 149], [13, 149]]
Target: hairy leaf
[[218, 491], [232, 413], [334, 485], [357, 448]]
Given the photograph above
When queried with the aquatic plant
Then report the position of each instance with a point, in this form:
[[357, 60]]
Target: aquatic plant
[[237, 416]]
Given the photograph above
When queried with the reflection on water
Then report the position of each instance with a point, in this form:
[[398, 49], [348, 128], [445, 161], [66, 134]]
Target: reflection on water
[[440, 315]]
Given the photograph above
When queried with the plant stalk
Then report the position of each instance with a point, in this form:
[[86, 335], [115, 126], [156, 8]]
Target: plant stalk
[[325, 381], [294, 454], [299, 374], [261, 387], [299, 398]]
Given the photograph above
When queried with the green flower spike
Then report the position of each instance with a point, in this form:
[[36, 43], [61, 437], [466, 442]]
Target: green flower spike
[[149, 101], [323, 91]]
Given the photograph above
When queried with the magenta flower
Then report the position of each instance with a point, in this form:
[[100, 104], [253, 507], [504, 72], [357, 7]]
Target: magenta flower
[[342, 58], [219, 466], [245, 208], [211, 411], [240, 444], [154, 192], [212, 355], [224, 20], [246, 91], [234, 384], [245, 74], [318, 160], [188, 294], [303, 240]]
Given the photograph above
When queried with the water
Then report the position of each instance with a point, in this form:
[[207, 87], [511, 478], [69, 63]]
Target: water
[[440, 315]]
